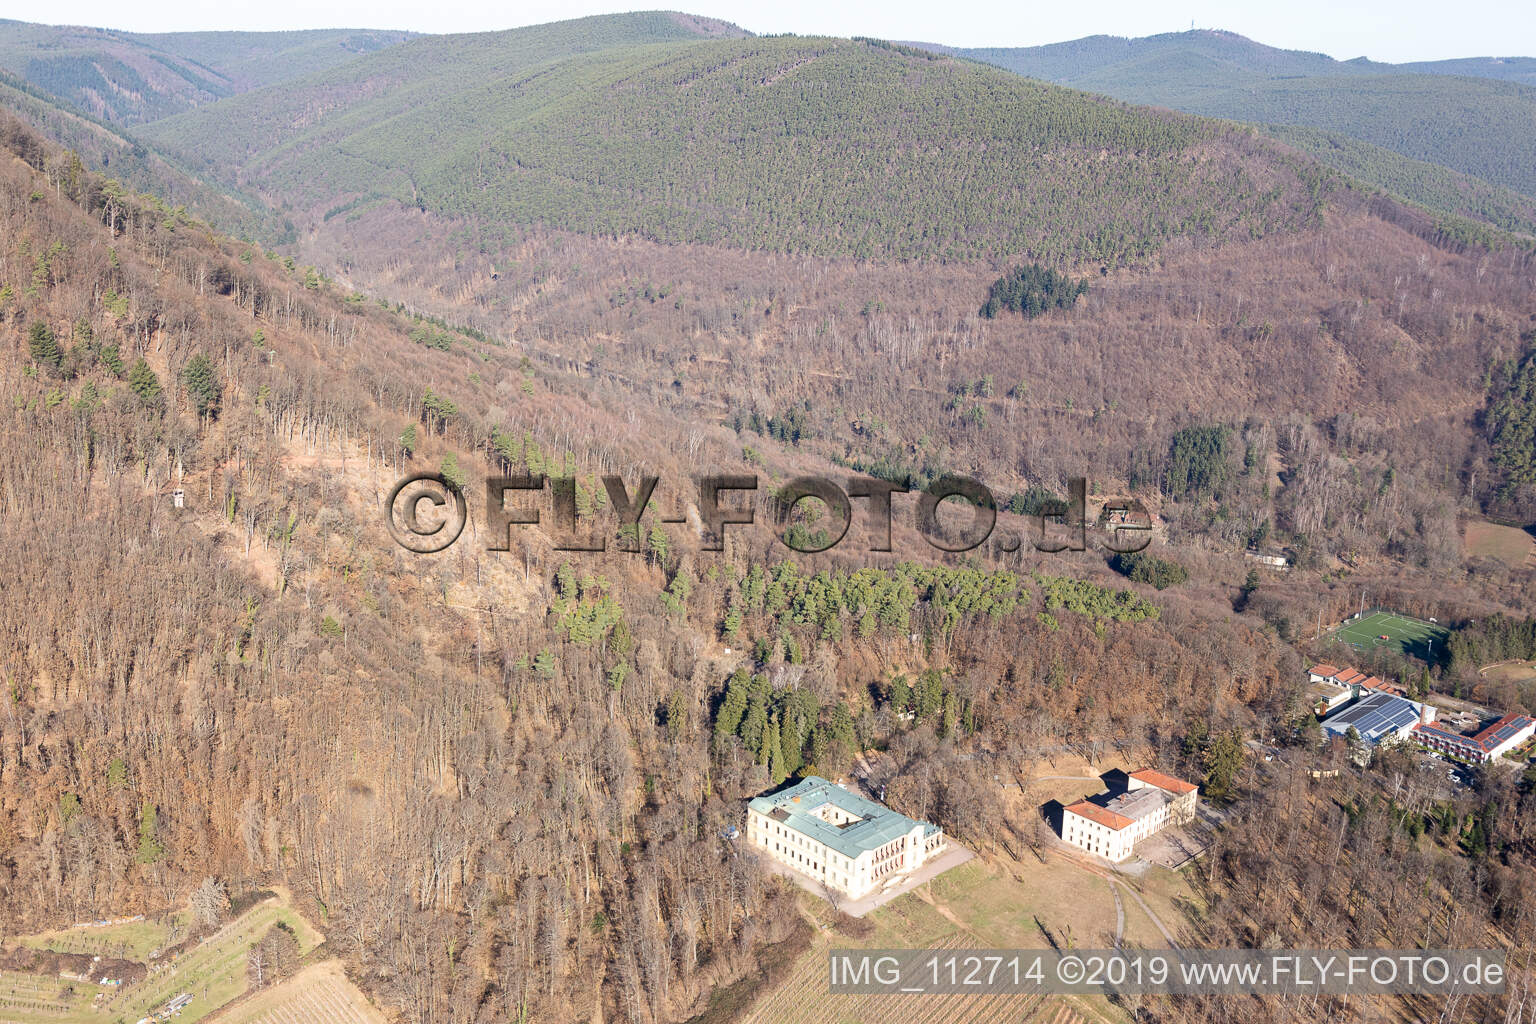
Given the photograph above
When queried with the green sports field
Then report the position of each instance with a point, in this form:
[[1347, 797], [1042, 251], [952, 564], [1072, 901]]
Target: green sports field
[[1413, 637]]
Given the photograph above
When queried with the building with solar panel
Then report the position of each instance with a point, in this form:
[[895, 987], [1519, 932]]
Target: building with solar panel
[[1379, 718], [1494, 741]]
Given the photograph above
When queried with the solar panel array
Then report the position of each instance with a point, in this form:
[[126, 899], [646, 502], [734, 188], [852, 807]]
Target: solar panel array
[[1374, 716], [1505, 730]]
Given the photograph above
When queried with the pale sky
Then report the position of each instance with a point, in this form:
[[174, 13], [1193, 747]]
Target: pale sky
[[1389, 30]]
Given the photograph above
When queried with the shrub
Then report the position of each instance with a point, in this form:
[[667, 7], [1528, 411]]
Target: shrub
[[1141, 567]]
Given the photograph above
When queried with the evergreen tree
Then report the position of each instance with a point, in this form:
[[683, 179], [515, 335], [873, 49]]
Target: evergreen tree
[[677, 715], [733, 706], [1031, 290], [772, 753], [150, 848], [657, 544], [452, 472], [755, 723], [143, 382], [1223, 760], [200, 378], [111, 359], [899, 693], [1511, 424], [1142, 567], [43, 345], [1197, 462]]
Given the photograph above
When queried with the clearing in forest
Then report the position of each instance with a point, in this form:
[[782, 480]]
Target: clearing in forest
[[137, 939], [319, 994], [211, 973], [1508, 544], [1409, 636]]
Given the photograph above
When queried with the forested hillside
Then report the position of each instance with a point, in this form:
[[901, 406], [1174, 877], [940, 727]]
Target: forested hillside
[[327, 107], [1435, 112], [109, 149], [505, 776], [1509, 69], [1430, 185], [500, 779], [126, 79], [824, 146]]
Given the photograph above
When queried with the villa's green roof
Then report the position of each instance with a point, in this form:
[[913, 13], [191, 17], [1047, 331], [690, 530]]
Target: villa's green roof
[[877, 826]]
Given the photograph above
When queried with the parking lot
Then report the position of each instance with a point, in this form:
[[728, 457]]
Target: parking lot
[[1455, 775]]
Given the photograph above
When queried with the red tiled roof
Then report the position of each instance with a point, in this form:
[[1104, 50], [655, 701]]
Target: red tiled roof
[[1486, 740], [1355, 677], [1486, 737], [1167, 783], [1093, 812]]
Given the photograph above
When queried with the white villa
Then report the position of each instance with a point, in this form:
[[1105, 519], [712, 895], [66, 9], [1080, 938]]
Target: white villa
[[1111, 828], [838, 838]]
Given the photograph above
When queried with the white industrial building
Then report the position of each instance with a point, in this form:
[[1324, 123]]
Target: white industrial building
[[1378, 717]]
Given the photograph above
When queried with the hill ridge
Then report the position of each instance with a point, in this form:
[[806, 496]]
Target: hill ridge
[[795, 144], [1476, 116]]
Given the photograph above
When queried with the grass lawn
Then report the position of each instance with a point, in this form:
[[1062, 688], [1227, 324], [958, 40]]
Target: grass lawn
[[1414, 637], [1065, 791], [29, 998], [1516, 672], [1001, 903], [989, 903], [1509, 544], [1139, 929], [213, 972], [320, 993], [133, 941], [1167, 893]]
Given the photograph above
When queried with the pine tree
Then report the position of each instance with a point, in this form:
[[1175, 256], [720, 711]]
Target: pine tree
[[755, 723], [44, 346], [201, 380], [773, 753], [733, 706], [790, 748], [1223, 760], [544, 664], [150, 847], [451, 471], [677, 715], [143, 382], [656, 542]]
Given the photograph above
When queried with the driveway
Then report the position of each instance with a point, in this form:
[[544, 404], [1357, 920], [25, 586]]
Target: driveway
[[899, 885]]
